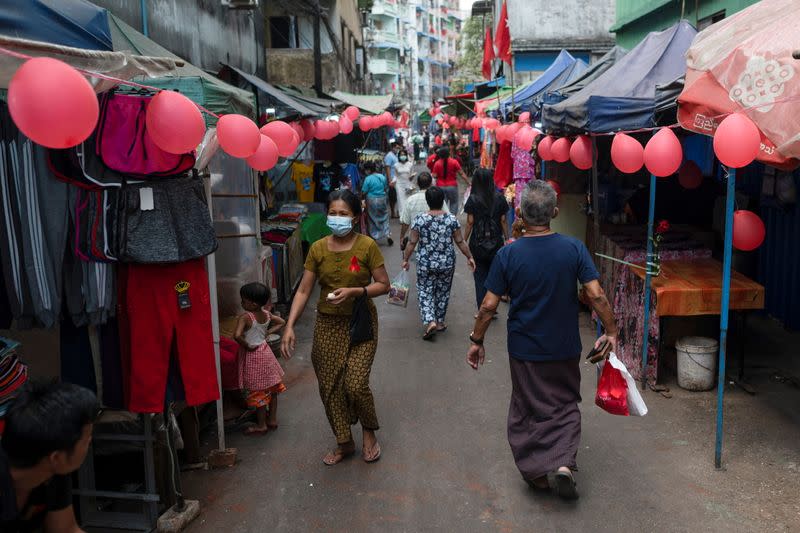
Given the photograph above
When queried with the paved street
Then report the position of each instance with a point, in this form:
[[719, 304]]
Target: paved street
[[446, 464]]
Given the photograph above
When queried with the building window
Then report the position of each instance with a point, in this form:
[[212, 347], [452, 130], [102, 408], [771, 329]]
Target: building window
[[282, 32], [705, 22]]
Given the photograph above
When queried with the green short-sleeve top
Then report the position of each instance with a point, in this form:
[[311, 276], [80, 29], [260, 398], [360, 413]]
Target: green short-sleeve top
[[334, 270]]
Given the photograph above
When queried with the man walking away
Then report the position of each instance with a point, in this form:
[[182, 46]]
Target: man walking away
[[539, 271], [416, 204]]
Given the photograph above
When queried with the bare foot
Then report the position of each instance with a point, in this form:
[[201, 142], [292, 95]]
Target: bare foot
[[341, 452]]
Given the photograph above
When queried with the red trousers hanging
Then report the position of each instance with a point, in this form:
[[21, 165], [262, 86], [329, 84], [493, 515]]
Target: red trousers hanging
[[155, 320]]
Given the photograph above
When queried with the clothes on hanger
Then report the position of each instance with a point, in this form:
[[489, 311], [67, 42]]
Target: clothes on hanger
[[303, 178], [327, 178]]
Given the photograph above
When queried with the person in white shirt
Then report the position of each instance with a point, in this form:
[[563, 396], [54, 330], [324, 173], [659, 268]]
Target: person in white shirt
[[415, 204], [404, 179]]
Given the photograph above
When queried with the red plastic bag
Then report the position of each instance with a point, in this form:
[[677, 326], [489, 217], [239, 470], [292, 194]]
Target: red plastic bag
[[612, 391]]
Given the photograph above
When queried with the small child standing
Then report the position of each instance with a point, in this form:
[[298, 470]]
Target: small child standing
[[260, 374]]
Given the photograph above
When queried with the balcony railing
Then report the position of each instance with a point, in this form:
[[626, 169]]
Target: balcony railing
[[384, 66], [383, 36]]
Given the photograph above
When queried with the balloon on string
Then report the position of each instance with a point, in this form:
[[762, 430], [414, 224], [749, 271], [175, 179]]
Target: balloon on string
[[545, 148], [298, 129], [556, 187], [281, 133], [627, 153], [352, 112], [266, 155], [513, 129], [386, 118], [492, 124], [560, 149], [748, 230], [737, 141], [663, 154], [238, 135], [345, 124], [174, 122], [690, 176], [365, 124], [52, 103], [580, 153], [524, 117], [524, 138], [308, 129]]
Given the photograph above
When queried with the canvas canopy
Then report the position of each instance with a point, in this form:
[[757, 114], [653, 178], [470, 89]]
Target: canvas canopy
[[623, 97], [595, 70], [370, 104], [744, 64]]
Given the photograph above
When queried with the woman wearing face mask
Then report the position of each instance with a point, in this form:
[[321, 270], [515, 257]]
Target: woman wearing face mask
[[404, 184], [347, 265]]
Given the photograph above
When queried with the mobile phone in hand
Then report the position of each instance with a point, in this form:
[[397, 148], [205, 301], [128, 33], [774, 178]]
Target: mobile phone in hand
[[596, 351]]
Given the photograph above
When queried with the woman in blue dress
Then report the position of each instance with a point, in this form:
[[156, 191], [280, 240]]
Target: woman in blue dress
[[374, 190]]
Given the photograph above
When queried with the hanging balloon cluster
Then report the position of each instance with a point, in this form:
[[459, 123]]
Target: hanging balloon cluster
[[174, 122]]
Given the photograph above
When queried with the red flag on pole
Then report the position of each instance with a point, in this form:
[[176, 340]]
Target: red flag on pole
[[488, 55], [502, 37]]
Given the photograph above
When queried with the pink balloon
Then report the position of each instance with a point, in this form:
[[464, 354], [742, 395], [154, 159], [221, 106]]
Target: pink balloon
[[513, 128], [690, 176], [748, 231], [626, 153], [663, 154], [580, 153], [560, 150], [492, 124], [331, 129], [525, 117], [386, 118], [737, 141], [556, 187], [174, 122], [296, 138], [281, 133], [545, 148], [238, 135], [345, 124], [266, 155], [500, 133], [352, 112], [298, 129], [308, 129], [321, 130], [524, 138], [365, 124], [52, 103]]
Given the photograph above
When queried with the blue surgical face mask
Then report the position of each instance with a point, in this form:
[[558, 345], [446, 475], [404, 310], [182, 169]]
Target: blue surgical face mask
[[403, 159], [340, 226]]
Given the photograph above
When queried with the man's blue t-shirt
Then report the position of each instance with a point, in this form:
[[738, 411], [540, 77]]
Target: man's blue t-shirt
[[540, 275], [390, 160]]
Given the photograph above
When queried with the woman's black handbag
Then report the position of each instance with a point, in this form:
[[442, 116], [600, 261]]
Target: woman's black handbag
[[361, 321]]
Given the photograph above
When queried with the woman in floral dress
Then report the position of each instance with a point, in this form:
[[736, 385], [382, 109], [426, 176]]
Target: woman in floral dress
[[435, 232]]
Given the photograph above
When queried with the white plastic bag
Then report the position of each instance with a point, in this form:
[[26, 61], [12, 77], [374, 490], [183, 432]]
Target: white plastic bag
[[399, 289], [636, 405]]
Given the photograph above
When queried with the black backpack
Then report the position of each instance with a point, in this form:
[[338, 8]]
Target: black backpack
[[486, 239]]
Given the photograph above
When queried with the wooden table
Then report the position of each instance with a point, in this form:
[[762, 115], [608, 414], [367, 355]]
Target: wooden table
[[694, 288]]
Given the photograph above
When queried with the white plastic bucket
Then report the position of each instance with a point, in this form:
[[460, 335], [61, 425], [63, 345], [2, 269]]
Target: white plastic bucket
[[697, 362]]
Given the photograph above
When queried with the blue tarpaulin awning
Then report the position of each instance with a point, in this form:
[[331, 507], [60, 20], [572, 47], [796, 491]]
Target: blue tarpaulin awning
[[658, 59], [76, 23], [523, 98]]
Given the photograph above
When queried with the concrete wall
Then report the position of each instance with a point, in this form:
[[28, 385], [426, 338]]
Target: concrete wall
[[565, 23], [296, 67], [640, 17], [201, 31]]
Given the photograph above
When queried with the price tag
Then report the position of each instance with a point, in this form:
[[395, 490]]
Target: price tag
[[146, 199]]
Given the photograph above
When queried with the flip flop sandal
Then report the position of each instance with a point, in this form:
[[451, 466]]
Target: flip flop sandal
[[341, 457], [565, 485], [439, 330], [377, 455], [429, 334], [250, 432], [272, 427]]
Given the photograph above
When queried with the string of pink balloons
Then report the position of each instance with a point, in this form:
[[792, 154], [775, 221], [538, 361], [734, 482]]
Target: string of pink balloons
[[54, 105]]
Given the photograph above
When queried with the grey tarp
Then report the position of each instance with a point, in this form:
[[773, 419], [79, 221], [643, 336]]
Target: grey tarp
[[658, 59], [372, 104], [273, 92]]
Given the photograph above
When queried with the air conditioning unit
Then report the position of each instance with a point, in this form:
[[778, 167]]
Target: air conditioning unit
[[240, 4]]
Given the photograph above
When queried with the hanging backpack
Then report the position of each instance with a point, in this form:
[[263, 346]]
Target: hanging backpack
[[124, 145], [486, 239]]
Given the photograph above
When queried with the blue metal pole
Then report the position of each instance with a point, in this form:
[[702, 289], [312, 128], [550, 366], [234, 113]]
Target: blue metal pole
[[648, 278], [143, 9], [724, 308]]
